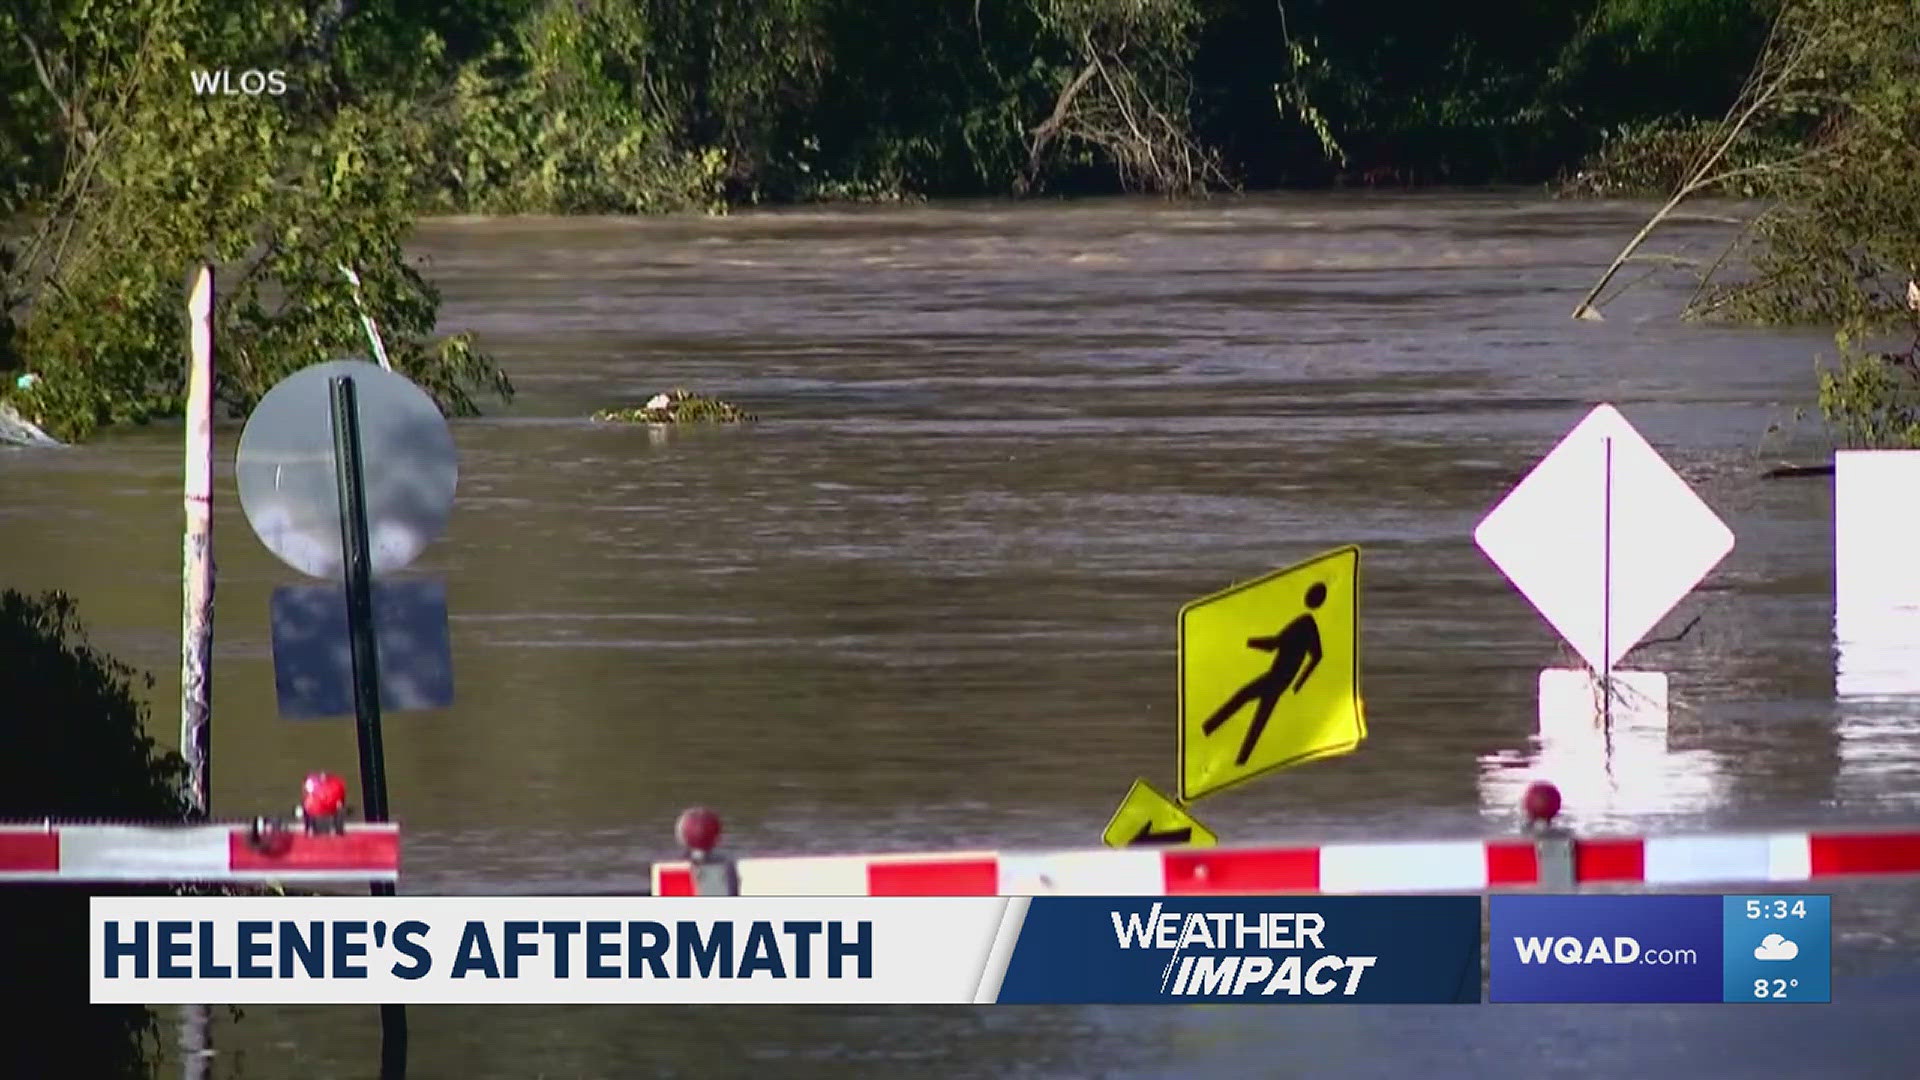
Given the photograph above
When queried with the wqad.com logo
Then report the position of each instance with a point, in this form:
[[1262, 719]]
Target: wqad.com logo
[[1598, 950], [1241, 954], [1602, 948]]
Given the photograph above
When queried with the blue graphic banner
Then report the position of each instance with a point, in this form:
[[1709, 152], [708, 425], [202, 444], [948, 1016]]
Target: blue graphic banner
[[1136, 950], [1658, 948], [1778, 948]]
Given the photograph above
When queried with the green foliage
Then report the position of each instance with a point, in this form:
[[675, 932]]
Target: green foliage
[[571, 106], [1655, 157], [1505, 90], [928, 98], [1128, 105], [1871, 400], [281, 192], [73, 744], [744, 78], [560, 118], [1842, 238], [75, 741], [1293, 97], [1827, 134]]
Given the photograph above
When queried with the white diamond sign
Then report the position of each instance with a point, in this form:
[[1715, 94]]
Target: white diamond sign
[[1603, 537]]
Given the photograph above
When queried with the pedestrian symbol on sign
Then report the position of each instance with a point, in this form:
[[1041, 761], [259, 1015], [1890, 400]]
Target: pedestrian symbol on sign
[[1283, 651], [1296, 652]]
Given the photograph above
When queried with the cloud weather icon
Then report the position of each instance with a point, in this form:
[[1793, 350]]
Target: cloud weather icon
[[1775, 947]]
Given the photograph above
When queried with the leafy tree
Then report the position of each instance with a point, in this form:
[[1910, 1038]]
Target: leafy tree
[[282, 192], [562, 114], [73, 744], [1830, 128]]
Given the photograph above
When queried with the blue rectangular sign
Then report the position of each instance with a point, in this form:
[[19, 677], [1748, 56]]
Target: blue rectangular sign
[[1676, 949], [313, 662], [1254, 950]]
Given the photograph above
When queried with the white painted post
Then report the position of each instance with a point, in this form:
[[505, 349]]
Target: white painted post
[[196, 653], [1876, 588], [196, 638]]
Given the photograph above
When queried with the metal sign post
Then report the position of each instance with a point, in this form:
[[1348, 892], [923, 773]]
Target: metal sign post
[[358, 566], [354, 642], [359, 584], [1606, 603]]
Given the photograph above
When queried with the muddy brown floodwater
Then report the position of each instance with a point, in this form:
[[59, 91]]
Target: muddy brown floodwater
[[929, 600]]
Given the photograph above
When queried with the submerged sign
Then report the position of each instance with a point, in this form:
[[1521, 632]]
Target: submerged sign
[[313, 655], [1146, 817], [1603, 537]]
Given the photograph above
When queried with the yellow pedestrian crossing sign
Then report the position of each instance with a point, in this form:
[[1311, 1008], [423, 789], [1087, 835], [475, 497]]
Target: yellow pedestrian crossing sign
[[1270, 674], [1148, 817]]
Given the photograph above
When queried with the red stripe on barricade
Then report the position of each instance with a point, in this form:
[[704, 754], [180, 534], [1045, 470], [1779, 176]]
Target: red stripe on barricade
[[674, 881], [934, 877], [1512, 862], [367, 850], [1609, 860], [1837, 854], [1252, 871], [29, 852]]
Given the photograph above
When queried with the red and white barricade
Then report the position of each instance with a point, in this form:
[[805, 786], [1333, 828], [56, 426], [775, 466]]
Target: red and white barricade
[[75, 853], [1418, 867]]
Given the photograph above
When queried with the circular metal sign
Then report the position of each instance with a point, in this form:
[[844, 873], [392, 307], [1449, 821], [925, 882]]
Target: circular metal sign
[[290, 491]]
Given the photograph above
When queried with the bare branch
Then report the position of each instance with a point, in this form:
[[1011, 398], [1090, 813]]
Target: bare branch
[[1045, 132], [70, 114], [1768, 80], [1684, 631]]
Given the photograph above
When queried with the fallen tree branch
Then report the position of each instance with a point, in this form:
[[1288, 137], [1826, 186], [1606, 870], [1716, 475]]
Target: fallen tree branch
[[1766, 83], [1779, 472]]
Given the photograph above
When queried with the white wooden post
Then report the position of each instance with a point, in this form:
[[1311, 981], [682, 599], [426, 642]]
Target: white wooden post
[[196, 651], [196, 637]]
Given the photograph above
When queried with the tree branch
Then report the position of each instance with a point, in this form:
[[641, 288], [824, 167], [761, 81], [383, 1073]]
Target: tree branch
[[1684, 631], [1767, 82], [70, 114], [1045, 132]]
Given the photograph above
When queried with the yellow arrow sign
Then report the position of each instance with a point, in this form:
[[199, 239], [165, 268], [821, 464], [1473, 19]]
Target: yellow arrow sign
[[1270, 674], [1148, 817]]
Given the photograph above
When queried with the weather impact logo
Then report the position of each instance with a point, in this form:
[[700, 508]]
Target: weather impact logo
[[1776, 947], [1242, 954]]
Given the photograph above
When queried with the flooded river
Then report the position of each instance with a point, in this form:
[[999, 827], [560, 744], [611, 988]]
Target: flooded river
[[929, 600]]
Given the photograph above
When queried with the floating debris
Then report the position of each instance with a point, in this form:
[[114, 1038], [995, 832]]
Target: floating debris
[[16, 429], [678, 407]]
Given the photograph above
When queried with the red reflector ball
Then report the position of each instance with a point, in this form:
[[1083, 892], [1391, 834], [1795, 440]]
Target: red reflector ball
[[323, 795], [1541, 802], [698, 829]]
